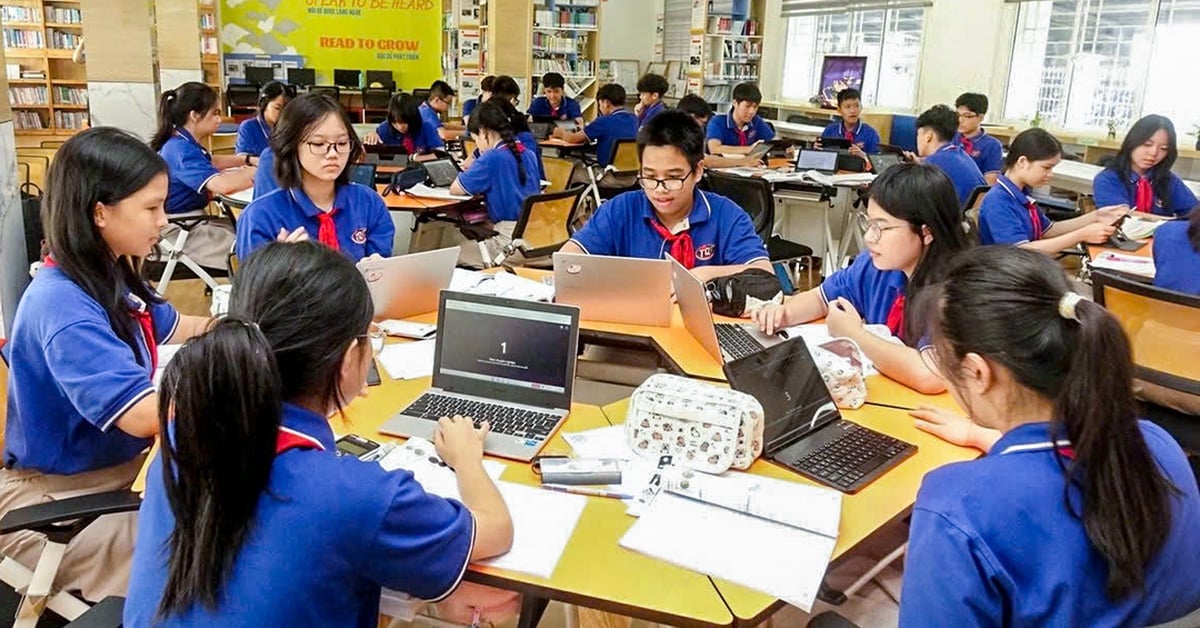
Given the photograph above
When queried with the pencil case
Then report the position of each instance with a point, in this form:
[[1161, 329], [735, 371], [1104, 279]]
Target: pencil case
[[703, 427]]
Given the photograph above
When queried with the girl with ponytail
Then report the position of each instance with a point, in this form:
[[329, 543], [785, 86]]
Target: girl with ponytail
[[1079, 514], [250, 516]]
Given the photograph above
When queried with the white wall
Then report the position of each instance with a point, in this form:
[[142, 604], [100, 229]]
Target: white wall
[[627, 30]]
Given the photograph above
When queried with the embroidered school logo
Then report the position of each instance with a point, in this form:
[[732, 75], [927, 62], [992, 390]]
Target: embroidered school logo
[[706, 252], [359, 236]]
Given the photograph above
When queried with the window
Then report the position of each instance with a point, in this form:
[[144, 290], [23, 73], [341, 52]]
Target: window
[[889, 39], [1083, 64]]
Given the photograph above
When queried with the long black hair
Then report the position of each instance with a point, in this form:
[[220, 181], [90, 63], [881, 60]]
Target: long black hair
[[923, 196], [299, 119], [406, 108], [175, 105], [1035, 144], [496, 115], [1003, 303], [1139, 134], [294, 310], [272, 90], [100, 165]]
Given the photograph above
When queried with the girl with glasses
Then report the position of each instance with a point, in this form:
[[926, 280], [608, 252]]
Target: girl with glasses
[[313, 145], [912, 228]]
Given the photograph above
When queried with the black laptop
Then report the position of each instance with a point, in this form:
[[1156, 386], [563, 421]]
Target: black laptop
[[803, 429], [823, 161], [541, 130]]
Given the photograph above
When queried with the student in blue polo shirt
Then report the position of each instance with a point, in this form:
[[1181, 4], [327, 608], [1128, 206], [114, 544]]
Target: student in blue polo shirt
[[707, 233], [863, 138], [651, 89], [506, 88], [1079, 514], [313, 144], [1009, 215], [1177, 255], [553, 103], [254, 134], [913, 227], [701, 112], [187, 117], [485, 92], [82, 350], [614, 123], [441, 96], [739, 130], [264, 178], [1140, 175], [973, 140], [935, 130], [258, 521], [405, 127]]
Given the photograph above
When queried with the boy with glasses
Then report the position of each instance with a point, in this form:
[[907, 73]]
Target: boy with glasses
[[707, 233], [983, 149], [441, 96]]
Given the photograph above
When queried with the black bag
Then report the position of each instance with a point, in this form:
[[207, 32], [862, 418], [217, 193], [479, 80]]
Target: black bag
[[31, 213], [413, 174], [728, 294]]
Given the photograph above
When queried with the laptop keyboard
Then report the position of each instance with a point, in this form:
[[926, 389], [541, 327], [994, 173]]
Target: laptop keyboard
[[736, 341], [847, 459], [502, 419]]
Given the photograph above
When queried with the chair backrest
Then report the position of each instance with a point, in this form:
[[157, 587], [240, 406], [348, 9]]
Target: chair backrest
[[975, 199], [385, 78], [52, 143], [559, 172], [545, 221], [625, 157], [35, 167], [422, 94], [241, 95], [377, 98], [752, 194], [331, 90], [1163, 327]]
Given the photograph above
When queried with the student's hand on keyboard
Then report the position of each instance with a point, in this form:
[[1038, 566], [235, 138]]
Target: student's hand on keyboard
[[954, 428], [770, 318], [843, 319], [458, 442], [299, 235], [371, 139]]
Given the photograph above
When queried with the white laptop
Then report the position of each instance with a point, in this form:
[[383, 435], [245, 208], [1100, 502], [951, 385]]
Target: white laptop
[[608, 289], [406, 285], [724, 341]]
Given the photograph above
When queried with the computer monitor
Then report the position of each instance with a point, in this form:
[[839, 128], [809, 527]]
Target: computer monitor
[[259, 76], [351, 79], [838, 73], [383, 77], [302, 76]]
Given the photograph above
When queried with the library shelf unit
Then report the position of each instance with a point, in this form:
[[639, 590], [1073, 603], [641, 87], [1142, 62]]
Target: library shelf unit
[[47, 89]]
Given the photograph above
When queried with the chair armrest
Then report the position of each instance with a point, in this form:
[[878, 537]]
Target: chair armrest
[[107, 614], [47, 516]]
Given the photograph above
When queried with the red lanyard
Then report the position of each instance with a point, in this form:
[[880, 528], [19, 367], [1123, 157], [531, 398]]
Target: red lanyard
[[141, 315], [848, 134], [967, 145]]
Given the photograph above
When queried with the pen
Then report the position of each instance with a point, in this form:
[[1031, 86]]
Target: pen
[[592, 492]]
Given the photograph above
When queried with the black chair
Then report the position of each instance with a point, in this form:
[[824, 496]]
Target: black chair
[[108, 613], [422, 94], [383, 78], [241, 97], [809, 120], [333, 91], [375, 102]]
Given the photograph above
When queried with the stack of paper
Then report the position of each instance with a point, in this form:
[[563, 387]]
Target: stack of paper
[[501, 284], [408, 360], [1125, 263], [421, 190]]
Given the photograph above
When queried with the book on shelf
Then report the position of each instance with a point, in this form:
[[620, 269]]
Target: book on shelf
[[70, 95], [59, 15], [20, 14], [26, 120], [724, 25], [23, 38], [64, 40], [73, 120], [28, 95]]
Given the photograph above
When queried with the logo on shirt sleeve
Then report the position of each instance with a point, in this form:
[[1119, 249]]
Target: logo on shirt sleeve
[[359, 236], [706, 252]]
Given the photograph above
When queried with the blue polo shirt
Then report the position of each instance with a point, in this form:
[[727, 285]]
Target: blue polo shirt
[[722, 233], [1110, 188], [650, 112], [568, 109], [530, 142], [422, 142], [264, 177], [361, 219], [871, 291], [253, 136], [189, 167], [432, 121], [606, 130], [986, 151], [1004, 215], [961, 169], [494, 175], [862, 133], [71, 377], [993, 543], [470, 106], [1176, 263], [329, 531], [723, 128]]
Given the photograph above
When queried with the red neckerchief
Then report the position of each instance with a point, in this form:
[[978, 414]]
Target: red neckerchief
[[1034, 218], [1144, 199], [142, 316], [326, 231], [682, 248], [742, 141], [967, 144], [520, 148], [408, 144], [553, 111], [287, 440], [895, 317], [847, 133]]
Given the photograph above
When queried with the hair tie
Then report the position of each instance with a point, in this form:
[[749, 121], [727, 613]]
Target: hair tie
[[1067, 305], [170, 95]]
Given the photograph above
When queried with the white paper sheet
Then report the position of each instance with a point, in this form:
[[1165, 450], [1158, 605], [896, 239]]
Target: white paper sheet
[[543, 522], [408, 360], [501, 284], [602, 442], [804, 506], [421, 190], [419, 456], [1123, 262]]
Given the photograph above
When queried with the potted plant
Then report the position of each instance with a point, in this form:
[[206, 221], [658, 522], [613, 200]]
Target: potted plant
[[1037, 120]]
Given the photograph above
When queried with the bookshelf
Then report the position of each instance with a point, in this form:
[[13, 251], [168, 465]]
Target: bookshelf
[[463, 58], [726, 48], [210, 45], [47, 89]]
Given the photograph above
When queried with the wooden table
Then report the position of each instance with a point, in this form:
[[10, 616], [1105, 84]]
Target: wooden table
[[1077, 177], [407, 202]]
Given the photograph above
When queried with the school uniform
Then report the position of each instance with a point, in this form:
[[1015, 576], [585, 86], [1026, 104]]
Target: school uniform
[[328, 533], [861, 133], [720, 232], [527, 139], [423, 142], [607, 129], [253, 136], [568, 109], [961, 169], [992, 542], [724, 128], [470, 106], [1009, 215], [877, 295], [1176, 262], [985, 150], [494, 175], [649, 112], [358, 226], [1110, 188], [189, 169], [264, 177], [431, 119]]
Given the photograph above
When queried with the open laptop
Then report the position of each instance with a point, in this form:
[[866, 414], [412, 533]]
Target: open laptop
[[508, 362], [724, 341], [823, 161], [803, 429], [442, 172], [615, 289], [406, 285], [386, 155], [880, 162]]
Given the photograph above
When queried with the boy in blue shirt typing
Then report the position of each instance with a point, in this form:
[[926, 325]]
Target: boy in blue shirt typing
[[651, 88], [707, 233], [553, 103], [441, 96], [614, 123], [863, 138], [984, 149], [739, 130], [935, 132]]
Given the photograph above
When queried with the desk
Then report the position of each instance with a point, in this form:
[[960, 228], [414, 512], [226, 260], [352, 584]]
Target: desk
[[406, 202], [793, 130], [1077, 176]]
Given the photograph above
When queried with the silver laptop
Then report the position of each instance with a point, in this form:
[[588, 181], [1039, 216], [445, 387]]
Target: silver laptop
[[823, 161], [609, 289], [725, 341], [406, 285], [508, 362]]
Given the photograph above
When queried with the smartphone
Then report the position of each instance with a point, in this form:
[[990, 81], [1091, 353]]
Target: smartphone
[[373, 375]]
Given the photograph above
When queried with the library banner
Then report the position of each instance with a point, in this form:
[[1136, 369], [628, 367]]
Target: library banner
[[404, 36]]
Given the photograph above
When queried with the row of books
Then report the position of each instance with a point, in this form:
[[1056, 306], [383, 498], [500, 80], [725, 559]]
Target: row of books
[[27, 120], [63, 16], [22, 38], [565, 18], [28, 95], [730, 26], [208, 20], [19, 14], [209, 46], [64, 39], [70, 95], [565, 67], [56, 15], [742, 47], [73, 120], [552, 43]]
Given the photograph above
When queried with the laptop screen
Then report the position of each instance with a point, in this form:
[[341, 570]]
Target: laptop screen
[[816, 160], [507, 350], [785, 380]]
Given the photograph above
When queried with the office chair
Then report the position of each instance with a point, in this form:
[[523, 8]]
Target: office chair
[[385, 78], [559, 172], [422, 94], [332, 91], [971, 210], [241, 97], [376, 101], [544, 226], [619, 176]]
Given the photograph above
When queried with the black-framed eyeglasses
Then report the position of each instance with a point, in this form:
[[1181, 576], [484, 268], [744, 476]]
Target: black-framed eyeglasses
[[873, 229], [320, 149], [669, 184]]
